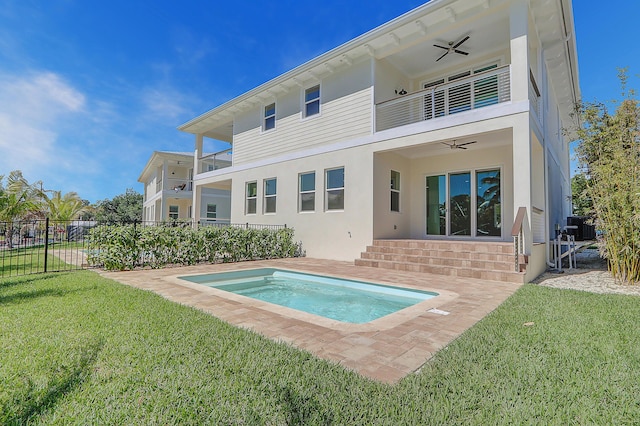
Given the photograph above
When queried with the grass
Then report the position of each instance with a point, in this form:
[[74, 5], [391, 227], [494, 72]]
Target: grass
[[78, 348], [28, 260]]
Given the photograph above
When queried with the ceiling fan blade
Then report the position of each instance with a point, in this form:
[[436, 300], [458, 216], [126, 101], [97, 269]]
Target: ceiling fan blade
[[460, 147], [467, 143], [441, 47], [445, 54], [460, 42], [461, 52], [447, 144]]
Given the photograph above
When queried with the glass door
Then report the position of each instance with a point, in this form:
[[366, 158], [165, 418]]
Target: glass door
[[436, 205], [465, 204], [488, 205], [460, 202]]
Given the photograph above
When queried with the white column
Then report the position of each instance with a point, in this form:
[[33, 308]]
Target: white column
[[519, 29], [163, 187], [197, 190]]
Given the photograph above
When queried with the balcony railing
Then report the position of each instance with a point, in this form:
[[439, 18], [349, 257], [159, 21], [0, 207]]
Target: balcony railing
[[179, 184], [216, 161], [477, 91], [534, 97]]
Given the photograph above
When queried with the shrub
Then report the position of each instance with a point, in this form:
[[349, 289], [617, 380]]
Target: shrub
[[122, 247]]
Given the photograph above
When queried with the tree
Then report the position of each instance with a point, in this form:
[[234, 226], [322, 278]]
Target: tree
[[125, 207], [63, 207], [609, 154], [19, 200], [582, 203]]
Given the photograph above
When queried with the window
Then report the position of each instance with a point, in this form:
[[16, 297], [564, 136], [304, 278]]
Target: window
[[270, 195], [269, 117], [307, 202], [395, 191], [312, 101], [335, 189], [252, 194], [211, 211], [174, 212]]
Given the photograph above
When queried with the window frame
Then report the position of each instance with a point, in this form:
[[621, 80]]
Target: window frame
[[395, 189], [302, 192], [250, 198], [333, 189], [308, 102], [269, 120], [176, 213], [215, 211], [268, 196]]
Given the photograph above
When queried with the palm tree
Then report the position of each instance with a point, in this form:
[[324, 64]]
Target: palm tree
[[65, 207], [18, 200]]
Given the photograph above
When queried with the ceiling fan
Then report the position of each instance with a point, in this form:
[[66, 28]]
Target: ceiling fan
[[453, 47], [455, 145]]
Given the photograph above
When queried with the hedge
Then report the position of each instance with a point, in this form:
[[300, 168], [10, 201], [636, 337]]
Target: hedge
[[123, 247]]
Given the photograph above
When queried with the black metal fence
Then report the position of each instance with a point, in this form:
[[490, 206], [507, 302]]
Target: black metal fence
[[36, 246], [44, 245]]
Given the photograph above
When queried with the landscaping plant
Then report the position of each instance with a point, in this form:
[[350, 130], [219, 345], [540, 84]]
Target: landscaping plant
[[609, 153]]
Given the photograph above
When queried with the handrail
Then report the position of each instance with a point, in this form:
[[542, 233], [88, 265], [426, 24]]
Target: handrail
[[224, 151], [444, 86], [518, 232], [517, 223]]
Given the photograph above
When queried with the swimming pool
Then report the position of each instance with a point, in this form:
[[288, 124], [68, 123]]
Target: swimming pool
[[343, 300]]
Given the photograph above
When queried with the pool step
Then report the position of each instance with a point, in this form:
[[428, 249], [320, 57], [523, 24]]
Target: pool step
[[483, 260]]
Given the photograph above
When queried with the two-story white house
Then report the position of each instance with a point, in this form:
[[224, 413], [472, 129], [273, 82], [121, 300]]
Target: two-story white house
[[168, 188], [440, 126]]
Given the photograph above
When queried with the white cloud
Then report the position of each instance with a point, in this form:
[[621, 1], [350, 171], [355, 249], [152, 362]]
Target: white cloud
[[31, 107]]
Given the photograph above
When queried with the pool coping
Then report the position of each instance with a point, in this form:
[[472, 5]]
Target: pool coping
[[386, 349]]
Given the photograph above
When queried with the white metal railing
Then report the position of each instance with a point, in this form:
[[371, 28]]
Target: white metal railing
[[179, 184], [216, 161], [477, 91], [534, 97]]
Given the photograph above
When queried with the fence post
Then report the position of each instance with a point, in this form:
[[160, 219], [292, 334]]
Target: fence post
[[46, 242]]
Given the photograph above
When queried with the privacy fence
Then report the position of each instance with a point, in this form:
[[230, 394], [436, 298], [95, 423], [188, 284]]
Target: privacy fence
[[38, 246]]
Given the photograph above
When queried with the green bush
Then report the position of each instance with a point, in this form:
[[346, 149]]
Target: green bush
[[122, 247]]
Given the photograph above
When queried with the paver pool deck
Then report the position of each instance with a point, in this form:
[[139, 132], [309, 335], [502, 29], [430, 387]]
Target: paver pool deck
[[386, 349]]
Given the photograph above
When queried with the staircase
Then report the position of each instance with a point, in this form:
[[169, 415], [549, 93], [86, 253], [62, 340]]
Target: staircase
[[493, 261]]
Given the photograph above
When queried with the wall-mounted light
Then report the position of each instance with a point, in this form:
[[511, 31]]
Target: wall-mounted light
[[401, 91]]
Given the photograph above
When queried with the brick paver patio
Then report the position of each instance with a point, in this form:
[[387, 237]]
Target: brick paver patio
[[386, 349]]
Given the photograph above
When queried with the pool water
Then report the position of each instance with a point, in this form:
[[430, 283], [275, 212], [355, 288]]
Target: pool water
[[339, 299]]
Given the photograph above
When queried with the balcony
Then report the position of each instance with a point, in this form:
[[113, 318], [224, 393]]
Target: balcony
[[216, 161], [479, 90]]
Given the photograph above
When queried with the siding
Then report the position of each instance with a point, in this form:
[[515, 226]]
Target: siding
[[344, 118]]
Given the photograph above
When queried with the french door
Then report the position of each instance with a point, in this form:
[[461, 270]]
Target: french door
[[464, 204]]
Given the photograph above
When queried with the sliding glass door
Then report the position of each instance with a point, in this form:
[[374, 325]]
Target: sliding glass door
[[450, 199]]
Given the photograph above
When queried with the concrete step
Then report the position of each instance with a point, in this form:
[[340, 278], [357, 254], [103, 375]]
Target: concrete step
[[483, 274]]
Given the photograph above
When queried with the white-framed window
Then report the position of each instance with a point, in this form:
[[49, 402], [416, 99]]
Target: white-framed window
[[174, 212], [269, 117], [212, 212], [307, 199], [334, 184], [312, 101], [252, 197], [395, 191], [270, 189]]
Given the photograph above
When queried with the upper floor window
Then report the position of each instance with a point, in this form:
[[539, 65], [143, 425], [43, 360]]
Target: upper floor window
[[395, 191], [335, 189], [307, 202], [270, 195], [312, 101], [269, 117], [251, 200]]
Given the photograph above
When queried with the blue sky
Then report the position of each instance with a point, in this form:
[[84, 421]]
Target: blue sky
[[89, 89]]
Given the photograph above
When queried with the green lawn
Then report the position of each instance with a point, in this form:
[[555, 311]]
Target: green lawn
[[28, 260], [78, 348]]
